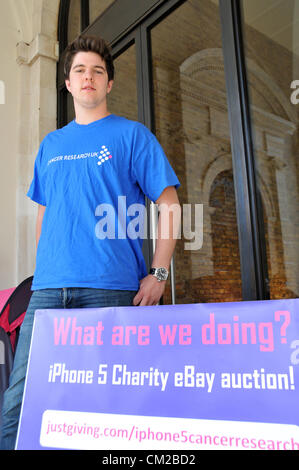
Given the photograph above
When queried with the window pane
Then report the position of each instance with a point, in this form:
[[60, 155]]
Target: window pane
[[272, 48], [97, 7], [74, 20], [192, 125], [123, 98]]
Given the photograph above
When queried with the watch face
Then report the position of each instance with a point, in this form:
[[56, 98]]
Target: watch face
[[162, 274]]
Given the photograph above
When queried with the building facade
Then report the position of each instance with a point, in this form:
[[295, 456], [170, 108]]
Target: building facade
[[217, 82]]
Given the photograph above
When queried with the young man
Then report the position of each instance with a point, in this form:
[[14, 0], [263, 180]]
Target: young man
[[87, 176]]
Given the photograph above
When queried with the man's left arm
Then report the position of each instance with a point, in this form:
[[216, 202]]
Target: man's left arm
[[151, 290]]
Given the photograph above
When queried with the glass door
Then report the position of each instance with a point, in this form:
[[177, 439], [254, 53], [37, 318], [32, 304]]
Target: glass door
[[191, 122], [272, 60], [172, 75]]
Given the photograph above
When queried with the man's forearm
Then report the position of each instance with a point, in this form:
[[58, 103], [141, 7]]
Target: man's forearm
[[169, 221], [164, 246], [168, 228]]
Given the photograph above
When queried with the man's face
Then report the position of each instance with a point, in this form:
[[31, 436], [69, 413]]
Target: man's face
[[88, 80]]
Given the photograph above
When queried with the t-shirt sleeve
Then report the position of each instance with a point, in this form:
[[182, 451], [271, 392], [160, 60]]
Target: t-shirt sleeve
[[36, 190], [151, 167]]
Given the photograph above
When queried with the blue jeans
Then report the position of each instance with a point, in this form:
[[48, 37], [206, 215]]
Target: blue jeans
[[73, 297]]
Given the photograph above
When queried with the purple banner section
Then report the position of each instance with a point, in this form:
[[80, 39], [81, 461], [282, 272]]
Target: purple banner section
[[226, 369]]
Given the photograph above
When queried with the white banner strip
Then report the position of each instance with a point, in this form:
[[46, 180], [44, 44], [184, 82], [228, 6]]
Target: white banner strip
[[98, 431]]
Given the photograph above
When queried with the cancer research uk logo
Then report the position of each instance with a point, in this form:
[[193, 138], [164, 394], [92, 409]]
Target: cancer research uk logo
[[104, 155], [101, 156]]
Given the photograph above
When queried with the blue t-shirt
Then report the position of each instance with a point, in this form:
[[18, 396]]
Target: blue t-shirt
[[92, 179]]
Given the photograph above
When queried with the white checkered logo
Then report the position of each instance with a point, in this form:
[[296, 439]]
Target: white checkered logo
[[104, 156]]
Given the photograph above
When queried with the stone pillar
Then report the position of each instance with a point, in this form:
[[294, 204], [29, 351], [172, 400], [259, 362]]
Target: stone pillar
[[36, 118]]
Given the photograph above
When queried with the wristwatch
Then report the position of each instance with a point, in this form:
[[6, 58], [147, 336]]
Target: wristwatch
[[160, 273]]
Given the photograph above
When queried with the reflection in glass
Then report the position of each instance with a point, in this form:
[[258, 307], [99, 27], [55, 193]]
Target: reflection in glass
[[123, 98], [272, 60], [97, 7], [192, 125]]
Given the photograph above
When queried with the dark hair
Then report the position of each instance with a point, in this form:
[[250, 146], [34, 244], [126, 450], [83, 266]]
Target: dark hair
[[88, 44]]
